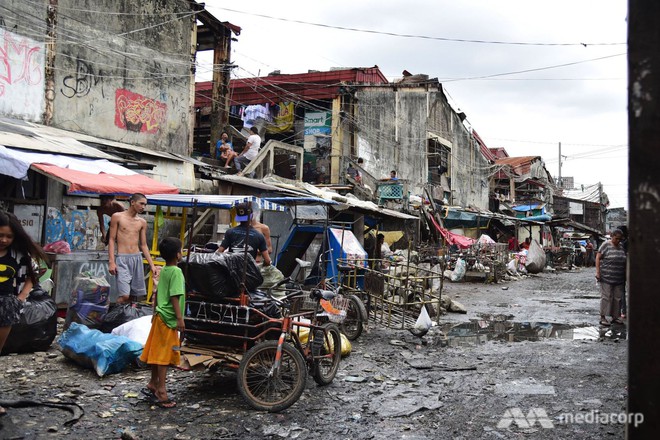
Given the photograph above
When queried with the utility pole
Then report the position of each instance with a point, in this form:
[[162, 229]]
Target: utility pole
[[559, 181], [644, 253]]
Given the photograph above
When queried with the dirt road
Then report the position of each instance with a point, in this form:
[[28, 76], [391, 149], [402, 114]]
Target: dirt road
[[511, 368]]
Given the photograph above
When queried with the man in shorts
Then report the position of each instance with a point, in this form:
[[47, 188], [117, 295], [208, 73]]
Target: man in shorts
[[129, 232]]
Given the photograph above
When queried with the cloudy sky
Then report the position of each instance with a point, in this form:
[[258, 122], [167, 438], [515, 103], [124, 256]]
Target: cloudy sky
[[572, 90]]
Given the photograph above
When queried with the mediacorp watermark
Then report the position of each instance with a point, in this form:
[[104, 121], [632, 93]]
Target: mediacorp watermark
[[539, 416]]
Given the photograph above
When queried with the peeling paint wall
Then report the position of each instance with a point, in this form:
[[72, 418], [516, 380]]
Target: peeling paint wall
[[22, 58], [122, 69], [78, 227], [123, 72], [393, 135]]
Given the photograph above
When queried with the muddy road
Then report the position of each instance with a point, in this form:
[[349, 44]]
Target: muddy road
[[527, 354]]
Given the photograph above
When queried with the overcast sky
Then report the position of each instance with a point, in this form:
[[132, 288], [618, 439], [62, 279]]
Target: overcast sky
[[582, 105]]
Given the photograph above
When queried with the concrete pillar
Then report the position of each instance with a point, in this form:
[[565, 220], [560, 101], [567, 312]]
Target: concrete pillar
[[644, 201]]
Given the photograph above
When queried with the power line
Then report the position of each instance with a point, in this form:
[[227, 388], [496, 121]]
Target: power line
[[556, 66], [424, 37]]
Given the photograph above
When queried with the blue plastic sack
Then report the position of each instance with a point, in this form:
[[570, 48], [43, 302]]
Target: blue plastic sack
[[103, 352]]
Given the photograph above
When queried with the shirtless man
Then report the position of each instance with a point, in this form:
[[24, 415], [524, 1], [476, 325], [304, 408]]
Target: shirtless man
[[264, 229], [129, 231], [108, 206]]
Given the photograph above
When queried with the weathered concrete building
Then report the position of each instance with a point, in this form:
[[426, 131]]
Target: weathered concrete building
[[341, 115], [101, 80], [119, 71], [410, 127]]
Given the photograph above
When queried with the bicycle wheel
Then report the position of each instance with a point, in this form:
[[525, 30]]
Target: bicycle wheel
[[326, 363], [356, 314], [265, 388]]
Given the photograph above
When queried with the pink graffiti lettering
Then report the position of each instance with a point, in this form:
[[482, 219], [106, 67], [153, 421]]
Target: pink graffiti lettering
[[134, 112], [17, 61]]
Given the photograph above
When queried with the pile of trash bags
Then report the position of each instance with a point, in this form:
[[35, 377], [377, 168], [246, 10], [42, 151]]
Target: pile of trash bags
[[219, 275], [38, 326], [104, 353]]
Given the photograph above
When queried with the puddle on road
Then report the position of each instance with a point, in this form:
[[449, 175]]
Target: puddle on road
[[501, 328]]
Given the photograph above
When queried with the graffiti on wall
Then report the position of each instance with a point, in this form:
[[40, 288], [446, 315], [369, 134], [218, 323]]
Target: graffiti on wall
[[81, 82], [134, 112], [21, 75], [77, 227]]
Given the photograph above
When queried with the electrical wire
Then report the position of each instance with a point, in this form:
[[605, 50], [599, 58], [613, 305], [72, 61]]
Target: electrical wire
[[424, 37]]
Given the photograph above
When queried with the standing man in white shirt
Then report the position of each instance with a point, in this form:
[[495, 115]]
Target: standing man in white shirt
[[250, 151]]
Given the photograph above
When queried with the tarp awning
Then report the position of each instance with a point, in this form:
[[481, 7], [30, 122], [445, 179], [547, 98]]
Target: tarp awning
[[81, 175], [81, 182], [210, 201]]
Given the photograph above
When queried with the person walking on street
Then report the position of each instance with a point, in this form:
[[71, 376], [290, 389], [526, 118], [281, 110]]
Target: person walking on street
[[611, 276], [17, 274], [129, 232], [167, 321]]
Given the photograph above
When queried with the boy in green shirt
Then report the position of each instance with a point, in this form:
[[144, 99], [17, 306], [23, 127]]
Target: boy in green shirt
[[167, 322]]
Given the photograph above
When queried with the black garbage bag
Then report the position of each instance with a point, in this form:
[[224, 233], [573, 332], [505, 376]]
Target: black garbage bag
[[38, 325], [262, 302], [120, 314], [217, 276]]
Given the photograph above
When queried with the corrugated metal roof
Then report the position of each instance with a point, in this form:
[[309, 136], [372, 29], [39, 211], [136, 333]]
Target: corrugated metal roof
[[275, 88], [29, 136], [520, 165], [485, 151]]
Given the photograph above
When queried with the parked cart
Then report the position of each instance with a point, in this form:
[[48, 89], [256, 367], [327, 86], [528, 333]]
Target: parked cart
[[252, 332]]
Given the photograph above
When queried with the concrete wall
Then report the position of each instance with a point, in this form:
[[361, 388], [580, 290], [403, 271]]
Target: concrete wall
[[393, 131], [125, 77], [22, 58], [119, 84]]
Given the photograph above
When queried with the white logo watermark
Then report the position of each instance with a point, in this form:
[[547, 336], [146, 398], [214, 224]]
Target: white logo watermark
[[534, 416], [539, 416]]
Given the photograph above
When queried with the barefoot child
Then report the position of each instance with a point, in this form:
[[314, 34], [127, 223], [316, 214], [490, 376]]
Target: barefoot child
[[170, 302]]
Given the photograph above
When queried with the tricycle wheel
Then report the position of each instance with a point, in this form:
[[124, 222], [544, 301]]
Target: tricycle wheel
[[356, 314], [265, 387], [326, 363]]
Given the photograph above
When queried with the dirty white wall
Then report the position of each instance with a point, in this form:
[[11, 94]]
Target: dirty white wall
[[393, 125], [122, 70], [125, 77], [21, 64]]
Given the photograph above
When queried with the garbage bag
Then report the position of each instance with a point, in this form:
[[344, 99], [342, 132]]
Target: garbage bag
[[260, 301], [423, 323], [102, 352], [535, 258], [89, 301], [459, 270], [136, 330], [272, 275], [58, 247], [38, 326], [218, 276], [120, 314]]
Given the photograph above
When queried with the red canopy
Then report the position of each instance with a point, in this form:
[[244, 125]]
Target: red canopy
[[80, 182]]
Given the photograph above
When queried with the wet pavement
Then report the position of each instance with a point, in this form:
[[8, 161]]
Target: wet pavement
[[533, 346]]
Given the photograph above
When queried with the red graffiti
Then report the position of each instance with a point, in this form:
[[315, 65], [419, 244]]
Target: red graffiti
[[17, 61], [137, 113]]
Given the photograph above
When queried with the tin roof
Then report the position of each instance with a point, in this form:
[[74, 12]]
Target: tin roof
[[289, 87]]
